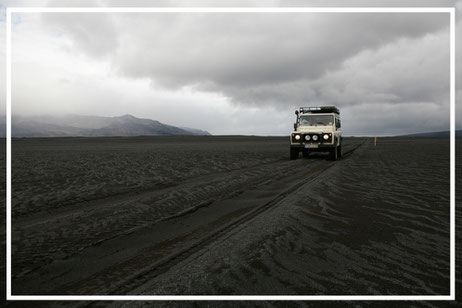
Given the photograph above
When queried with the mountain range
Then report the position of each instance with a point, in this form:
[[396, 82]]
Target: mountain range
[[435, 134], [93, 126]]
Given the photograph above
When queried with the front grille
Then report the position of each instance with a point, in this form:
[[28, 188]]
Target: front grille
[[318, 140]]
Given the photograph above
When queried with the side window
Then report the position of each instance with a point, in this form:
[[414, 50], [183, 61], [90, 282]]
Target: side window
[[337, 123]]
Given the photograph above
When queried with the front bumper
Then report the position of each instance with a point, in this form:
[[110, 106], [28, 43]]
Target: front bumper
[[309, 146], [321, 144]]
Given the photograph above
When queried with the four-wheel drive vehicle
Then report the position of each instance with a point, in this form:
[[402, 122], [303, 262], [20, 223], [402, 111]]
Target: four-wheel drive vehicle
[[316, 129]]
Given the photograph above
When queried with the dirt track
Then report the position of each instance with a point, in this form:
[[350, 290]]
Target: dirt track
[[233, 215]]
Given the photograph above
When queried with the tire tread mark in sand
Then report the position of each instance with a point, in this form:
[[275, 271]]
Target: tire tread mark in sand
[[72, 208], [166, 262], [193, 208], [126, 228]]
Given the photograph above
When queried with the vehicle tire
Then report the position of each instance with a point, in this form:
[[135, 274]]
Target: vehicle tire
[[306, 153], [334, 153], [293, 154], [340, 152]]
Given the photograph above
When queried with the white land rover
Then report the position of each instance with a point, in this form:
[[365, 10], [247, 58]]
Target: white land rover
[[317, 129]]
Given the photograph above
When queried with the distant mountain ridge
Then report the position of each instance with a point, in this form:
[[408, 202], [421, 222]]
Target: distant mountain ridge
[[93, 126], [434, 134]]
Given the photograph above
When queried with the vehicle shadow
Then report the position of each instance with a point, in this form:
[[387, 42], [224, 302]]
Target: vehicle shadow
[[317, 155]]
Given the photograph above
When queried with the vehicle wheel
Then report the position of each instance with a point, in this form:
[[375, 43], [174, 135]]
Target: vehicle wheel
[[293, 154], [306, 154], [340, 152], [334, 153]]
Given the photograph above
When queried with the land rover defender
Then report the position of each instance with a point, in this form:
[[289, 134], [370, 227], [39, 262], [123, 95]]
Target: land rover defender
[[316, 129]]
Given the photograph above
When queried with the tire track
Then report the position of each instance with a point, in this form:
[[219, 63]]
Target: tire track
[[61, 239], [170, 253]]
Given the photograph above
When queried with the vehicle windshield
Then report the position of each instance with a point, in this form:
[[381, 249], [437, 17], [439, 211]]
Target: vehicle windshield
[[316, 120]]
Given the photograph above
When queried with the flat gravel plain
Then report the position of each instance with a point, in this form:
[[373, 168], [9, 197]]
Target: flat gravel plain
[[229, 215]]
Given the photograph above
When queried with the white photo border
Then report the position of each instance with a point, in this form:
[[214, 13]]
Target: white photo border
[[449, 10]]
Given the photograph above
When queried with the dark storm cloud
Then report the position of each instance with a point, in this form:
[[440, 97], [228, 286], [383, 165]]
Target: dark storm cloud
[[258, 49], [250, 58], [376, 61]]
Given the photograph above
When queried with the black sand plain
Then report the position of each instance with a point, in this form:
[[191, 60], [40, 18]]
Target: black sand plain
[[229, 215]]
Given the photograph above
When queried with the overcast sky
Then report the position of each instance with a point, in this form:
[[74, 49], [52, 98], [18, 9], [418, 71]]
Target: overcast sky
[[236, 73]]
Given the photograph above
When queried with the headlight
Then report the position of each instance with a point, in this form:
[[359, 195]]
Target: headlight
[[326, 136], [315, 137], [297, 137], [307, 137]]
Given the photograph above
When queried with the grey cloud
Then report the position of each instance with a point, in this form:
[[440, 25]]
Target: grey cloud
[[371, 62], [92, 34], [243, 50], [258, 49], [384, 86]]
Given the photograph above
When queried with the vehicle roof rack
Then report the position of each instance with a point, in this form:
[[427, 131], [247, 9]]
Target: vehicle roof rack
[[321, 109]]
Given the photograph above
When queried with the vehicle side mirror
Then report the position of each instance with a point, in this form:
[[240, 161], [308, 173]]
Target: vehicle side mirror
[[295, 126]]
